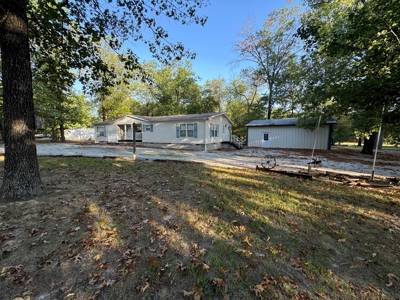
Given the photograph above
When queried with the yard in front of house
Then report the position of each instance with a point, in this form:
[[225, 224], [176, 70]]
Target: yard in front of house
[[118, 229]]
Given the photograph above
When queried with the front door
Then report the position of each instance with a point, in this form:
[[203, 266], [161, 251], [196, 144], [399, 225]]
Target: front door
[[121, 132], [265, 141], [128, 132]]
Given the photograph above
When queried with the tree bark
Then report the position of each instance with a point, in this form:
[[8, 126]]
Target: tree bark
[[269, 106], [368, 147], [62, 132], [21, 170]]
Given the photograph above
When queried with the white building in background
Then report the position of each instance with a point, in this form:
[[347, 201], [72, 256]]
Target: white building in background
[[283, 133], [79, 134], [194, 131]]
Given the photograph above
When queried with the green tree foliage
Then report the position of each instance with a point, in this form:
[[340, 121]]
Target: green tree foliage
[[77, 28], [115, 104], [216, 88], [115, 100], [172, 90], [356, 46], [60, 109], [213, 97], [236, 111], [72, 29], [245, 103], [271, 50], [289, 92], [344, 130]]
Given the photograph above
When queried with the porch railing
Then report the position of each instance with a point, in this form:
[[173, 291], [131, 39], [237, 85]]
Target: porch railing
[[237, 141]]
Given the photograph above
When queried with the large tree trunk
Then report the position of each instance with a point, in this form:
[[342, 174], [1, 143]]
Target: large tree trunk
[[369, 144], [62, 132], [1, 129], [269, 107], [21, 171]]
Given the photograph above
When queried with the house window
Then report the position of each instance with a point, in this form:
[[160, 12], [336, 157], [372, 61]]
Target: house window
[[214, 130], [147, 128], [190, 130], [266, 136], [182, 128], [101, 131], [186, 130]]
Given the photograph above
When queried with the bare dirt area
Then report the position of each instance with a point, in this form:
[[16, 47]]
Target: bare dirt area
[[340, 159]]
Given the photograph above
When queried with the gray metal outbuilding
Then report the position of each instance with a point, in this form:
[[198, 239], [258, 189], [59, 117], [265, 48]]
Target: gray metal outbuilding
[[283, 133]]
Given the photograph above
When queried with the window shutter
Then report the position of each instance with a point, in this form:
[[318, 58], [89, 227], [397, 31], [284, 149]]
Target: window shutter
[[151, 127], [211, 130], [217, 130], [105, 130], [195, 130], [177, 130]]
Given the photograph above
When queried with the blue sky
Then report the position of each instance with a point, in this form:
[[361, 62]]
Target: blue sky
[[214, 42]]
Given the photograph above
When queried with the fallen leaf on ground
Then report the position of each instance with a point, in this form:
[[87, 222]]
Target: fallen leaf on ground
[[186, 294], [206, 267], [247, 253], [219, 282], [246, 242], [77, 259], [258, 289]]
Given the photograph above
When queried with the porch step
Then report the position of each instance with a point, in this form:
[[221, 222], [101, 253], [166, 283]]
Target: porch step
[[236, 145]]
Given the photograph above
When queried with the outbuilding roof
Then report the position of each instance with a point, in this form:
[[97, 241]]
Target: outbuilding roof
[[279, 122]]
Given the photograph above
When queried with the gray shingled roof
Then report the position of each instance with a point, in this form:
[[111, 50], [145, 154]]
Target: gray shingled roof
[[180, 117], [190, 117], [279, 122]]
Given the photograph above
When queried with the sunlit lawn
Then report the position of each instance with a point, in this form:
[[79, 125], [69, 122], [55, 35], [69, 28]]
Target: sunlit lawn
[[117, 229], [355, 145]]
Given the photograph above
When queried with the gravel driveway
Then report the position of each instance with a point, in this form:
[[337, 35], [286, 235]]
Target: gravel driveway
[[245, 158]]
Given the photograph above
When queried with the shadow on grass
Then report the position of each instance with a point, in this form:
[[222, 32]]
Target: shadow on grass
[[115, 229]]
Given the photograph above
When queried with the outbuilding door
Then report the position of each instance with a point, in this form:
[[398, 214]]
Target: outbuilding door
[[265, 141]]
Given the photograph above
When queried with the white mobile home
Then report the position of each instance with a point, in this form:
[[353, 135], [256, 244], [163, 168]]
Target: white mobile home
[[283, 133], [195, 131]]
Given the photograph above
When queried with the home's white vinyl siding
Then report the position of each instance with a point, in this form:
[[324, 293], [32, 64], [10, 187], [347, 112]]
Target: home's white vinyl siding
[[289, 137], [112, 133], [165, 132], [223, 133]]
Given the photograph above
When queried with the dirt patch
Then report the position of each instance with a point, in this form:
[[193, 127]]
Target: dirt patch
[[341, 159]]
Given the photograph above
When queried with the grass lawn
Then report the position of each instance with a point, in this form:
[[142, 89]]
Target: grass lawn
[[117, 229], [355, 145]]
